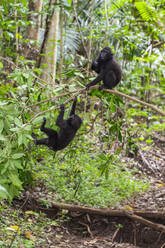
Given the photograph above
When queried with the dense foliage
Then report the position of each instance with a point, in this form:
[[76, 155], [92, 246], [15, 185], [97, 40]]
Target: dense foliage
[[135, 32]]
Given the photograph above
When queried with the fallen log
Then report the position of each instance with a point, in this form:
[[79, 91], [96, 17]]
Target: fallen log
[[108, 212], [136, 215]]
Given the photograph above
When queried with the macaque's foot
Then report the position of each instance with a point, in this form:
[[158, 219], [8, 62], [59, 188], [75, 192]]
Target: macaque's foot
[[44, 119], [75, 99], [101, 87], [88, 86], [62, 106], [43, 124]]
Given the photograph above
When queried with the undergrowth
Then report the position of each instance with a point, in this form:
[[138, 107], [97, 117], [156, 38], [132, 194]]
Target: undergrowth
[[81, 176]]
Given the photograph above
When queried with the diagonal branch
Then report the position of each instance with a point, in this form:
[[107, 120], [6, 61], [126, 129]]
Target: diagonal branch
[[131, 98]]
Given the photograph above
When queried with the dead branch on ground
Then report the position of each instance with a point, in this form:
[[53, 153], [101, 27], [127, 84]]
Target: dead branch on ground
[[133, 214], [149, 223], [107, 211]]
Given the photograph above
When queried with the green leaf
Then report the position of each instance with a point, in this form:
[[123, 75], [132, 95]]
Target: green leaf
[[38, 120], [15, 180], [1, 65], [120, 136], [20, 139], [118, 151], [27, 128], [26, 75], [113, 107], [2, 138], [149, 141], [1, 125], [18, 122], [17, 164], [5, 166], [17, 155], [3, 193], [102, 156], [70, 2], [107, 114], [14, 129]]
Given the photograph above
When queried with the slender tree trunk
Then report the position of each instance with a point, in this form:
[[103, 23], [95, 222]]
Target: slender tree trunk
[[33, 31], [106, 16], [56, 23], [16, 31], [50, 49], [61, 42], [39, 5], [89, 51], [90, 35]]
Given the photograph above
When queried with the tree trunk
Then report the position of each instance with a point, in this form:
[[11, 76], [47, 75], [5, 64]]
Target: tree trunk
[[107, 24], [90, 35], [50, 49], [33, 31], [61, 42]]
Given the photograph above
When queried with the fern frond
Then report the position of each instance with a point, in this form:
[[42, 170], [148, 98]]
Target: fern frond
[[147, 12], [118, 4]]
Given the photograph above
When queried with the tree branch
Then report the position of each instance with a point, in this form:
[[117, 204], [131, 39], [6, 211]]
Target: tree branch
[[116, 92], [80, 90]]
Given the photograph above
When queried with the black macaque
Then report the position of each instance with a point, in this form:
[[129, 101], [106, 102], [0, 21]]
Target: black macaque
[[108, 69], [68, 128]]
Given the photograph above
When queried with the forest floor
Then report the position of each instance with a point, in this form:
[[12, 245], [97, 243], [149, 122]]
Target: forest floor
[[53, 228]]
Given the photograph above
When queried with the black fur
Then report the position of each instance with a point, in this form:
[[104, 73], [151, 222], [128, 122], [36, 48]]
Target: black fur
[[108, 69], [68, 128]]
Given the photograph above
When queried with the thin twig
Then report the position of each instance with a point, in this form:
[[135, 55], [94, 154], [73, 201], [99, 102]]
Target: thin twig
[[88, 228], [115, 234]]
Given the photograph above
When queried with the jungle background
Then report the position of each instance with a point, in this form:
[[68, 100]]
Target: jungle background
[[117, 158]]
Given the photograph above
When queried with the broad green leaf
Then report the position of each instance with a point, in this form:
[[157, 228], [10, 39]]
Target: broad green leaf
[[2, 188], [14, 129], [2, 138], [17, 155], [38, 120], [5, 167], [18, 122], [26, 128], [3, 193]]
